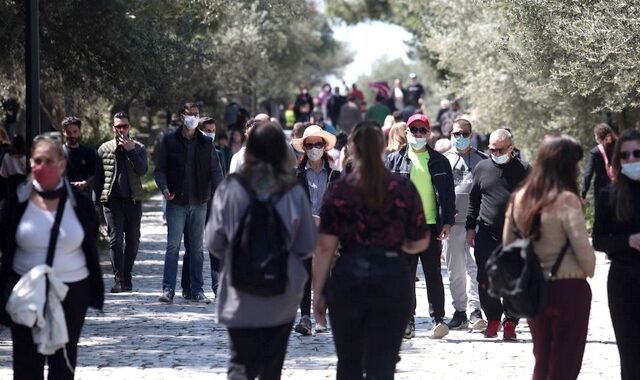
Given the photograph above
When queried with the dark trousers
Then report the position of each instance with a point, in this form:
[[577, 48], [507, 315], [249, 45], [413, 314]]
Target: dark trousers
[[257, 352], [305, 303], [123, 225], [369, 299], [185, 280], [487, 240], [28, 363], [430, 259], [624, 306], [560, 332]]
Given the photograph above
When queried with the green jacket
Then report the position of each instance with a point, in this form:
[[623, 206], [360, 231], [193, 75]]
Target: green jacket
[[136, 167]]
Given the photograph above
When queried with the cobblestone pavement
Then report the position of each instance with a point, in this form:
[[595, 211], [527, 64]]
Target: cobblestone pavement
[[136, 337]]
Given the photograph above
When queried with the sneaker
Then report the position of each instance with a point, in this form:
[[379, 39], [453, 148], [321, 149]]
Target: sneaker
[[476, 321], [439, 331], [186, 294], [410, 330], [492, 329], [304, 326], [167, 296], [117, 288], [509, 331], [459, 321], [320, 328], [201, 298]]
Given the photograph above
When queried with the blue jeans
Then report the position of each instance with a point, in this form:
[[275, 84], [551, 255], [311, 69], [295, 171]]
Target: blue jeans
[[177, 217]]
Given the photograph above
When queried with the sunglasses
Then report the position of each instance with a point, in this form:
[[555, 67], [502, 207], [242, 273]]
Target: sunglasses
[[421, 130], [319, 144], [627, 154], [463, 134], [121, 126], [499, 150]]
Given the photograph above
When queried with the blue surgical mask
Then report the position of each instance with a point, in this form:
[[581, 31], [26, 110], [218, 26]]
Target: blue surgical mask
[[631, 170], [501, 160], [460, 142], [416, 143]]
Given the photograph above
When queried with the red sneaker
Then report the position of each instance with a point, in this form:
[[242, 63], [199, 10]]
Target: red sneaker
[[509, 331], [492, 329]]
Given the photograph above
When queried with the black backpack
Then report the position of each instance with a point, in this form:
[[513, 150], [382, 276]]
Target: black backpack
[[515, 275], [259, 247]]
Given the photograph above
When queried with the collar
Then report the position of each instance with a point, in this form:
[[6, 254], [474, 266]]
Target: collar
[[25, 189], [322, 167]]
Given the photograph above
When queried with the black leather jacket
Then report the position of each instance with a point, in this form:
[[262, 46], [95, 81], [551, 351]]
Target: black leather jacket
[[441, 178]]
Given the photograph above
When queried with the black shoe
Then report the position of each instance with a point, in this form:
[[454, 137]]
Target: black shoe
[[167, 296], [117, 288], [459, 321], [186, 294], [200, 297], [410, 330], [304, 326]]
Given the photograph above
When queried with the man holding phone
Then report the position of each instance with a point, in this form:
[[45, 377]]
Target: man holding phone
[[118, 188]]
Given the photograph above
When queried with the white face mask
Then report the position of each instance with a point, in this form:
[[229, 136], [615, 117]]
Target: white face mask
[[212, 135], [631, 170], [416, 143], [315, 154], [191, 121], [500, 160]]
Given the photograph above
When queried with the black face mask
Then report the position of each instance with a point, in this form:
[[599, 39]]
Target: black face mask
[[52, 194]]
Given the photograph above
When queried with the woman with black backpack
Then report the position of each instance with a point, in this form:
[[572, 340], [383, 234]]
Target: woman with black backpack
[[262, 229], [548, 210], [616, 231]]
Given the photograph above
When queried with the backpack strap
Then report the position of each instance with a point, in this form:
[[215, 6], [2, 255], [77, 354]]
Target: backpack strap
[[55, 229], [556, 265]]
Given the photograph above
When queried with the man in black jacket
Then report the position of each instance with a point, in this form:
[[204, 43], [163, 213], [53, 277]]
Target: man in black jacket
[[431, 174], [187, 172], [493, 182]]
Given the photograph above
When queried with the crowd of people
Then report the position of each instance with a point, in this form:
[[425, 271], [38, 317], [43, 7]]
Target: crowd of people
[[357, 198]]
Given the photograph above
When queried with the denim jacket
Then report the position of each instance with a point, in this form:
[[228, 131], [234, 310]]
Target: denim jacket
[[441, 178]]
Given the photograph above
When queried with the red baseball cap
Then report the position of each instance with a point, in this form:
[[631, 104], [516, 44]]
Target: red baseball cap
[[419, 117]]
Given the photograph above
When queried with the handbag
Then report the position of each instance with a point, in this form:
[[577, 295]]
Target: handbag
[[515, 275], [11, 282]]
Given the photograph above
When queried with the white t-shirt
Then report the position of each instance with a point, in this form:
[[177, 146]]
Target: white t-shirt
[[32, 238], [237, 161], [12, 165]]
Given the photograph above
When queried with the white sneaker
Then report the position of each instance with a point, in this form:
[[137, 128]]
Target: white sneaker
[[439, 331], [320, 328], [479, 325]]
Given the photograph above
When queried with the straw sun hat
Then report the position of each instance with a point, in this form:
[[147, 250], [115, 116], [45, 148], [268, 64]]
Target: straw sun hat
[[314, 130]]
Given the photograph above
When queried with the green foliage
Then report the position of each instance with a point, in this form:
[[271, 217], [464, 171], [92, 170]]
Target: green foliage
[[99, 56], [535, 66]]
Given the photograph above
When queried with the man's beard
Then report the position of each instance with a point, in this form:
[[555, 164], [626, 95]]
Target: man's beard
[[72, 141]]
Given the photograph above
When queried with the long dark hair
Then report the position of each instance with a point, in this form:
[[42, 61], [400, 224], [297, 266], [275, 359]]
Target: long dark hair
[[624, 208], [368, 144], [555, 171], [268, 163], [601, 132]]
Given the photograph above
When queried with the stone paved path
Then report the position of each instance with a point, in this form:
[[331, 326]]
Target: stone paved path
[[138, 338]]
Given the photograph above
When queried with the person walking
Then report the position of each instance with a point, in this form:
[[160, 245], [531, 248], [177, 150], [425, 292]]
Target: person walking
[[259, 326], [463, 158], [493, 182], [547, 209], [81, 160], [431, 173], [599, 161], [118, 189], [616, 231], [187, 172], [314, 174], [25, 229], [377, 218]]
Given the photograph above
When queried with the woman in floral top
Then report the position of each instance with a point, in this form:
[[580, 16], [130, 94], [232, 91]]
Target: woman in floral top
[[375, 216]]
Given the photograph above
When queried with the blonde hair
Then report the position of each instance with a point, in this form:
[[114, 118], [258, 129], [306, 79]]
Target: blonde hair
[[397, 137]]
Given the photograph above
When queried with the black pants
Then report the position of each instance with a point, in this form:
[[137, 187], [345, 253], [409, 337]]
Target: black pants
[[369, 298], [28, 363], [257, 352], [123, 225], [185, 280], [624, 306], [305, 303], [430, 259], [487, 240]]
